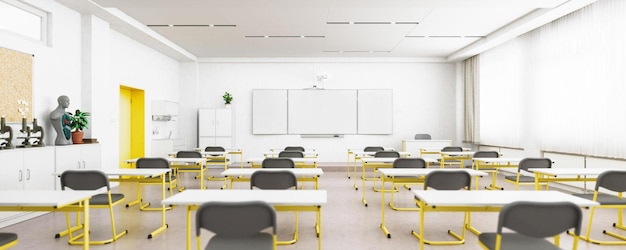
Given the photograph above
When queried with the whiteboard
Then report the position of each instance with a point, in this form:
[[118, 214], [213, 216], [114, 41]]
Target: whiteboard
[[318, 111], [269, 111], [375, 111]]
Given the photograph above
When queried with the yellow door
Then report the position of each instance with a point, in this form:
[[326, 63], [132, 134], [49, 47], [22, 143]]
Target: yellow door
[[125, 142]]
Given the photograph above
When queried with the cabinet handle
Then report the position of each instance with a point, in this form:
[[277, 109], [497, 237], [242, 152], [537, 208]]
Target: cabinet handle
[[27, 174], [20, 176], [84, 164], [78, 162]]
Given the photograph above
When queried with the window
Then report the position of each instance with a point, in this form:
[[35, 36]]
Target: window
[[23, 19]]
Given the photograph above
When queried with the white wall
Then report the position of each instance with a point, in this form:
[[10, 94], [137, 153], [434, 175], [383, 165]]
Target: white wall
[[424, 99]]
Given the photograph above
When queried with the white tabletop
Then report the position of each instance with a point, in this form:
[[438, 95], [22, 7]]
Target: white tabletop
[[311, 150], [204, 154], [425, 171], [499, 159], [145, 172], [436, 150], [569, 171], [247, 172], [362, 153], [391, 160], [52, 198], [228, 150], [494, 198], [275, 153], [173, 159], [360, 149], [273, 197], [454, 153], [257, 161]]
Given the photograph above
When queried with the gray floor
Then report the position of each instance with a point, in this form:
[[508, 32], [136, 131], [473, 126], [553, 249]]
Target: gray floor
[[346, 223]]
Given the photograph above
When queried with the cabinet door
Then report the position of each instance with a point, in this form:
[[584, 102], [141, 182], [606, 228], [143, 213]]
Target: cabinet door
[[203, 142], [12, 175], [206, 122], [223, 118], [67, 157], [39, 169], [91, 156]]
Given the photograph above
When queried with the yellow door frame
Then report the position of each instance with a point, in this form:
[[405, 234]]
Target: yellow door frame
[[137, 123]]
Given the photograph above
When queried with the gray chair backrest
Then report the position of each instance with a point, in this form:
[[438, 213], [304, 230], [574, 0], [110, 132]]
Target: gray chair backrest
[[291, 154], [214, 149], [387, 154], [84, 180], [152, 162], [294, 148], [540, 219], [452, 149], [278, 163], [409, 163], [614, 180], [423, 137], [527, 163], [235, 219], [273, 180], [188, 154], [448, 180], [486, 154], [373, 149]]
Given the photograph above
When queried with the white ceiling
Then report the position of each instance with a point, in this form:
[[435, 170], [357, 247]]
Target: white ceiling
[[328, 28]]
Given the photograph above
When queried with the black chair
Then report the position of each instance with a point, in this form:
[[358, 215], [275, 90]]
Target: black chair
[[189, 167], [532, 222], [486, 168], [170, 179], [237, 225], [294, 148], [373, 149], [451, 159], [91, 180], [423, 137], [614, 181], [278, 163], [283, 179], [291, 154], [524, 165], [7, 240], [406, 180], [448, 180], [217, 159], [387, 154]]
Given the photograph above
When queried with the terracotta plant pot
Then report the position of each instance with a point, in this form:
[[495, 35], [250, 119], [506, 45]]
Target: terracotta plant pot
[[77, 137]]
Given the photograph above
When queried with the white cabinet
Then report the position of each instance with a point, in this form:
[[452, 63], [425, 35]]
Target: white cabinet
[[78, 156], [215, 127], [162, 107], [25, 169]]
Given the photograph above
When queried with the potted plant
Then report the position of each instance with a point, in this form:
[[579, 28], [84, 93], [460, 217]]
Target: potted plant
[[78, 121], [227, 98]]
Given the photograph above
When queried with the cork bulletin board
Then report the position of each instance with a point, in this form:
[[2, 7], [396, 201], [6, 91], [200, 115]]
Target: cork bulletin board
[[16, 85]]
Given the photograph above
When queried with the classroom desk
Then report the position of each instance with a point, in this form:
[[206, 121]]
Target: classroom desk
[[198, 161], [455, 156], [281, 200], [435, 151], [359, 154], [300, 162], [480, 201], [496, 164], [307, 154], [405, 176], [136, 175], [548, 175], [49, 200], [244, 174]]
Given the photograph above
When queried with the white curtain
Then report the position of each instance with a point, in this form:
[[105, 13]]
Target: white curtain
[[561, 87], [471, 69]]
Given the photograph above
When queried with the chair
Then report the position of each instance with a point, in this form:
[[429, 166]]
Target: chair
[[406, 180], [524, 165], [7, 240], [423, 137], [291, 154], [451, 159], [614, 181], [486, 168], [282, 179], [387, 154], [294, 148], [170, 179], [237, 225], [532, 222], [278, 163], [373, 149], [219, 159], [448, 180], [190, 167], [91, 180]]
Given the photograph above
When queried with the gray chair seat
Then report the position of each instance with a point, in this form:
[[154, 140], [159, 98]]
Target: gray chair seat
[[513, 241], [103, 199], [604, 199], [521, 178], [6, 238], [258, 241]]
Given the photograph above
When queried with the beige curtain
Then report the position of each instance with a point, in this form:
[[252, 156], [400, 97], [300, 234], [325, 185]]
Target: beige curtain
[[471, 69]]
